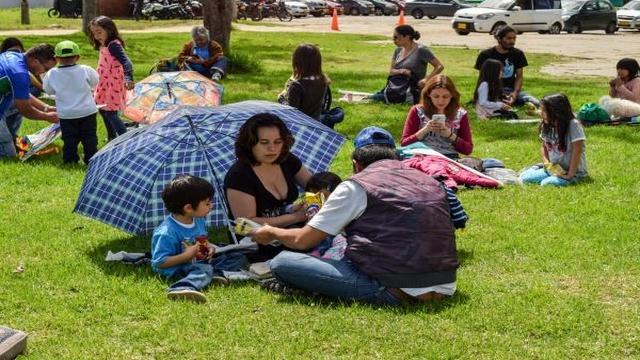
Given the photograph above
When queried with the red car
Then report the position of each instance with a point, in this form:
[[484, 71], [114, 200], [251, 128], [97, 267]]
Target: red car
[[331, 5]]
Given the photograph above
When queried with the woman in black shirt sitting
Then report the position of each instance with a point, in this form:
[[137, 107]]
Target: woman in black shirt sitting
[[263, 181], [305, 90]]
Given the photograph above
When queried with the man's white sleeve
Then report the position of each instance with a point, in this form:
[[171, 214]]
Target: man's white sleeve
[[345, 204]]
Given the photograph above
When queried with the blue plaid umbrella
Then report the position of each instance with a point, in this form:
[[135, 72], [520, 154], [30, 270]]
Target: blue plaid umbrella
[[125, 179]]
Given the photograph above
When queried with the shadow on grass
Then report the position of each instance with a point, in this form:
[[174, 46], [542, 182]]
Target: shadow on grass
[[136, 244]]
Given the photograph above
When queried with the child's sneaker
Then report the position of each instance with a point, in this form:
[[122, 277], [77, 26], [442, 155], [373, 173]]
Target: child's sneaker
[[219, 280], [216, 76], [187, 294]]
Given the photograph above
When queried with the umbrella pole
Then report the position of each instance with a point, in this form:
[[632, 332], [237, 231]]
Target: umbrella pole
[[219, 189]]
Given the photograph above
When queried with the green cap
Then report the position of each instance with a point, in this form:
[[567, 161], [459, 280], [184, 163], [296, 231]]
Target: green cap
[[67, 48]]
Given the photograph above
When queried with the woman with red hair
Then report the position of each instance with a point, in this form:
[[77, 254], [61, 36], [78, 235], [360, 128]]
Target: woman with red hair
[[438, 120]]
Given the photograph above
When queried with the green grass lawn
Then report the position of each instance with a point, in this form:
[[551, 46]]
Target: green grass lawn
[[546, 272]]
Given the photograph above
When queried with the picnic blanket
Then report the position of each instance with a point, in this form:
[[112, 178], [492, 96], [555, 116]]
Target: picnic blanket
[[353, 96]]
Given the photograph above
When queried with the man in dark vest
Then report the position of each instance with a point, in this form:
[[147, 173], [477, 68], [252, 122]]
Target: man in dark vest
[[400, 241]]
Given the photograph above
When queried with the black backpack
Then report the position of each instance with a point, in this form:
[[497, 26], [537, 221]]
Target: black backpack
[[397, 88]]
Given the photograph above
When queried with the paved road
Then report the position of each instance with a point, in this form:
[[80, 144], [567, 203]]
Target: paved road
[[593, 52]]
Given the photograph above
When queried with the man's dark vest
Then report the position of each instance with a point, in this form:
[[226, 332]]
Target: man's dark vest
[[405, 237]]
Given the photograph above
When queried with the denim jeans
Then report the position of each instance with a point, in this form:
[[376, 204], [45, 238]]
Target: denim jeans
[[13, 117], [198, 275], [7, 141], [523, 97], [76, 131], [333, 278], [113, 123], [219, 66], [537, 175]]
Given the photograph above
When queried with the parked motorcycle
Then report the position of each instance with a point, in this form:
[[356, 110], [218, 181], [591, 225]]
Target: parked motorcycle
[[167, 10], [277, 9], [253, 10]]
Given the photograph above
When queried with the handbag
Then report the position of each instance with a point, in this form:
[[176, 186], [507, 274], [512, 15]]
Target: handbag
[[397, 89], [592, 113]]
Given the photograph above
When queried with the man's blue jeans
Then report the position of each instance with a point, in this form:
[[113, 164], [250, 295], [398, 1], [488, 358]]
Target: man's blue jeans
[[7, 141], [219, 66], [198, 275], [523, 97], [332, 278]]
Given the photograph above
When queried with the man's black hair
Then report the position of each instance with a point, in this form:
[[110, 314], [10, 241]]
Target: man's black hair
[[186, 190], [369, 154], [43, 52], [503, 31]]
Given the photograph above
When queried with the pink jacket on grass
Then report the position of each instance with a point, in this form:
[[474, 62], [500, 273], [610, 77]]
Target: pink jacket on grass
[[456, 173]]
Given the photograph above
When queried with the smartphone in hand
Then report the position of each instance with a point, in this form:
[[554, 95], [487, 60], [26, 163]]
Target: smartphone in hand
[[439, 118]]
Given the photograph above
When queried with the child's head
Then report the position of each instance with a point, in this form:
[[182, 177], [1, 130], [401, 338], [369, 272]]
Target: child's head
[[491, 73], [306, 61], [324, 182], [628, 68], [188, 195], [557, 114], [11, 44], [102, 31], [67, 52], [439, 96]]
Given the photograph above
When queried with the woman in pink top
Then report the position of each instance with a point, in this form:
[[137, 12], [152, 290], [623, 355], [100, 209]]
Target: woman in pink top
[[439, 97], [627, 84], [115, 72]]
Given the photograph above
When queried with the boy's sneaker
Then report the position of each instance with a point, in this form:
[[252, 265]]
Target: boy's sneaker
[[187, 294], [219, 280]]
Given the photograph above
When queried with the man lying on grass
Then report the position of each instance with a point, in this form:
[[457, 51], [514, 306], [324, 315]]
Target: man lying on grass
[[400, 234]]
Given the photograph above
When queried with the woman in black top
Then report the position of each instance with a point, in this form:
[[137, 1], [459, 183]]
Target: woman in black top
[[263, 181], [306, 88]]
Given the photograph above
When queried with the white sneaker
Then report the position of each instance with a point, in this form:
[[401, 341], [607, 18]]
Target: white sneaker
[[219, 280], [216, 76], [187, 294]]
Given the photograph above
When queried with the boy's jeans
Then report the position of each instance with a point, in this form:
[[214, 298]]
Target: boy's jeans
[[333, 278], [76, 131], [198, 275]]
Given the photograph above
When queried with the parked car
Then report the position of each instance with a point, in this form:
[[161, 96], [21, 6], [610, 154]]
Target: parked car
[[433, 8], [297, 9], [582, 15], [543, 16], [317, 8], [357, 7], [334, 5], [382, 7], [399, 3], [629, 15]]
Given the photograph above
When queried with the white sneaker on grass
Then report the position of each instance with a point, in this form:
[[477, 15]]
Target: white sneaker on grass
[[219, 280], [216, 76], [187, 294]]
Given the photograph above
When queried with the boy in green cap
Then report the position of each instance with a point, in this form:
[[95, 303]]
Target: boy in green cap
[[73, 86]]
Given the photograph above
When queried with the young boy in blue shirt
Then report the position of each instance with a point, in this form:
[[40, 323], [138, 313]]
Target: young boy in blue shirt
[[177, 247]]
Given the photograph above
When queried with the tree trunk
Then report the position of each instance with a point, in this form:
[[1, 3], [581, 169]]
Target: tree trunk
[[24, 13], [89, 11], [217, 16]]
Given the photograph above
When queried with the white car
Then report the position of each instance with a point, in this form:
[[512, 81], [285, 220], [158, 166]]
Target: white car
[[629, 15], [297, 9], [543, 16]]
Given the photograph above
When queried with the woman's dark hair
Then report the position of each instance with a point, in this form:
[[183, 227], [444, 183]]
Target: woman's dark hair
[[491, 73], [559, 116], [109, 27], [631, 65], [248, 137], [504, 31], [407, 30], [324, 180], [307, 61], [186, 190], [367, 155], [11, 42], [444, 82]]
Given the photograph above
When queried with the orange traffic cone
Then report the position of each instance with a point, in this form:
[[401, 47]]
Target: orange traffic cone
[[401, 18], [334, 20]]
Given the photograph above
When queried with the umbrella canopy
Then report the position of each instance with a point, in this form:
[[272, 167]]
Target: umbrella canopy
[[163, 92], [125, 179]]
